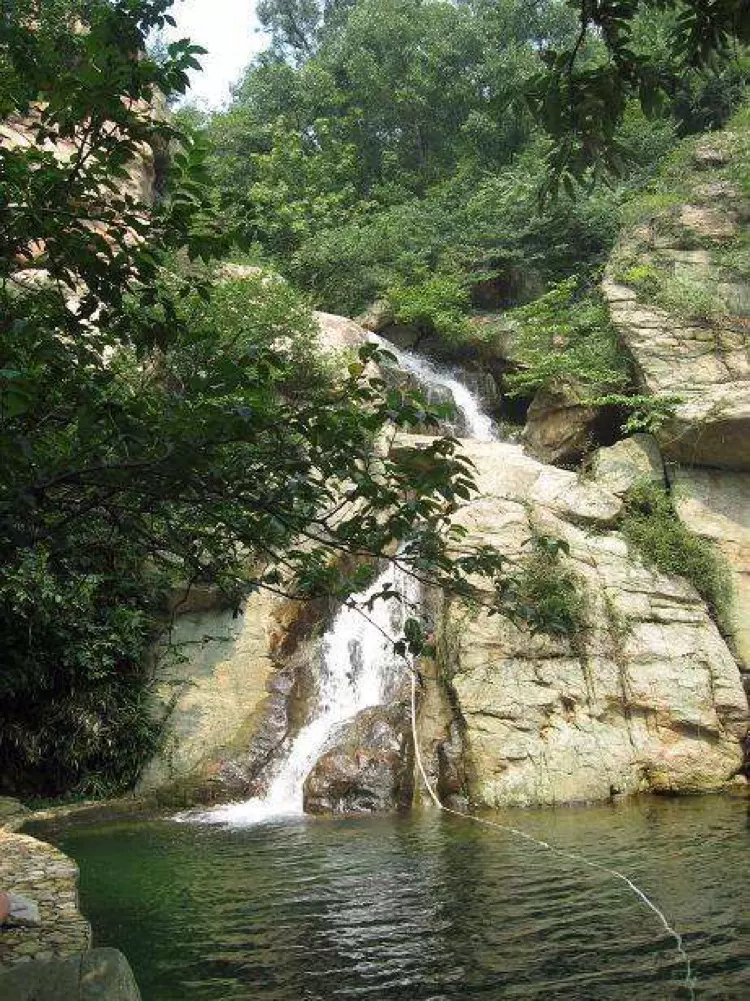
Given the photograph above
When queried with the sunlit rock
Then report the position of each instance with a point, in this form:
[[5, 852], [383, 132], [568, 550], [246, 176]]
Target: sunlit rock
[[631, 461]]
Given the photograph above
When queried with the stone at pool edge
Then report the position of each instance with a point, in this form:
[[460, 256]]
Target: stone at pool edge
[[13, 813], [97, 975]]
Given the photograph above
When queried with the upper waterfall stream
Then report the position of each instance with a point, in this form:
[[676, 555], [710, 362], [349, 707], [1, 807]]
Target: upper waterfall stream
[[429, 376], [359, 666]]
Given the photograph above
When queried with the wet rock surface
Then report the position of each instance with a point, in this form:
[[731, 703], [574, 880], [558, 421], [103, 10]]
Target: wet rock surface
[[368, 768]]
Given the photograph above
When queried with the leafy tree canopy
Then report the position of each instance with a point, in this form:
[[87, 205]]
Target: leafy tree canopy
[[160, 425], [378, 141]]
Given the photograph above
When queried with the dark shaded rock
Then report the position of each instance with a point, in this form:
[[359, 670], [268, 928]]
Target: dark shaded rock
[[369, 769], [98, 975], [452, 778]]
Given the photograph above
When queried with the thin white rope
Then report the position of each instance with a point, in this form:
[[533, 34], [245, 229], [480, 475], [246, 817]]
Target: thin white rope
[[690, 980]]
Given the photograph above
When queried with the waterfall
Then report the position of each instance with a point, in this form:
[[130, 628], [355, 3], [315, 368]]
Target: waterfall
[[360, 669], [477, 423]]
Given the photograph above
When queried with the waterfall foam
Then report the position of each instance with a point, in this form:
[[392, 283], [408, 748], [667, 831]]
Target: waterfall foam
[[360, 669], [477, 423]]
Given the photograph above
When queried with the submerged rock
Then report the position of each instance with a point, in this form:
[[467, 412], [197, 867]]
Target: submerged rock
[[369, 767], [98, 975]]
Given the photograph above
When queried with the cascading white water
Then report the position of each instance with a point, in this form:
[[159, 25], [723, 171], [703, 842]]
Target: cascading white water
[[360, 669], [478, 425]]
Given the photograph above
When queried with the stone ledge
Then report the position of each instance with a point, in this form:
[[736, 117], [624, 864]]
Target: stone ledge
[[45, 875]]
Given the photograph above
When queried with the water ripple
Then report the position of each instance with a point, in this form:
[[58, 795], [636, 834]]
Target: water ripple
[[424, 908]]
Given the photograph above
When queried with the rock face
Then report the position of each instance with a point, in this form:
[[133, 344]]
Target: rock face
[[698, 346], [648, 697], [369, 768], [140, 182], [705, 362], [706, 365], [98, 975], [214, 675]]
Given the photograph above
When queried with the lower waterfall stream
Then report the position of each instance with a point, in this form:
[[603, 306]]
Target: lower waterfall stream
[[359, 669]]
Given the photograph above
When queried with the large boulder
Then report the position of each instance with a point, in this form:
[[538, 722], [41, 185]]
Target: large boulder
[[98, 975], [368, 768], [560, 424], [646, 697], [338, 333], [705, 366], [627, 463]]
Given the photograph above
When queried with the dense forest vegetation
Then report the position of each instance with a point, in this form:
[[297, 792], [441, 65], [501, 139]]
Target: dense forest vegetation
[[456, 159], [412, 149]]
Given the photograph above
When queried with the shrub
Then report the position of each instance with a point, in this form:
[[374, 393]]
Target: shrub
[[652, 526], [75, 691], [544, 593], [438, 304], [644, 413], [689, 298], [644, 278], [567, 333]]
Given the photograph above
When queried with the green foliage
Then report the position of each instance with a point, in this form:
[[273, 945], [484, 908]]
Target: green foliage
[[653, 528], [157, 432], [658, 52], [74, 713], [690, 298], [733, 258], [644, 278], [362, 164], [437, 305], [645, 413], [567, 334], [687, 297], [546, 594]]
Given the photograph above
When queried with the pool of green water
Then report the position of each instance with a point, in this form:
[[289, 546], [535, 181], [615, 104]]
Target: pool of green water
[[424, 907]]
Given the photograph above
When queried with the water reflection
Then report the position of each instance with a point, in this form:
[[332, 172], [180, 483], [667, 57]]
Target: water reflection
[[425, 908]]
